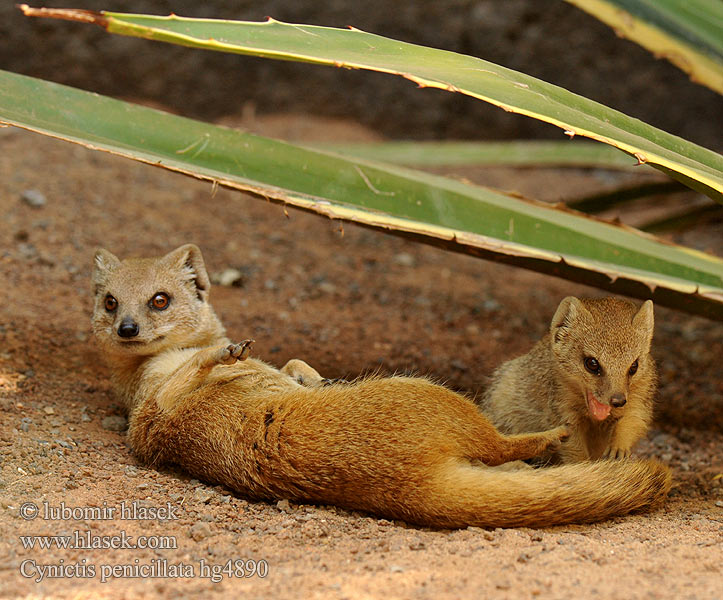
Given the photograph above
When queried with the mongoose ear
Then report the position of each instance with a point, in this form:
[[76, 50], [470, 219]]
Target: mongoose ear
[[103, 263], [644, 320], [188, 259], [104, 260], [566, 314]]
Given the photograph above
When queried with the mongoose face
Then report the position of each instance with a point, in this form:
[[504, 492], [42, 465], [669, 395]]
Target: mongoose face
[[143, 306], [603, 351]]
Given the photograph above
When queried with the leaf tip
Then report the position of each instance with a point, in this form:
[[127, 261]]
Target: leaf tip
[[67, 14]]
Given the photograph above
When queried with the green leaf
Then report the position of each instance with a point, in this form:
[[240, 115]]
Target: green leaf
[[425, 207], [695, 166], [528, 153], [689, 33]]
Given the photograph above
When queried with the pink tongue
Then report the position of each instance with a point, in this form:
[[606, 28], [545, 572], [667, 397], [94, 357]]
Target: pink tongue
[[598, 410]]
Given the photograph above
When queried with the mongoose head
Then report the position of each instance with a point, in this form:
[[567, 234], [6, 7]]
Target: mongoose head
[[602, 347], [146, 305]]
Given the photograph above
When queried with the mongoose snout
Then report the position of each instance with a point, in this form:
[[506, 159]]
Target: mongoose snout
[[128, 328], [618, 400]]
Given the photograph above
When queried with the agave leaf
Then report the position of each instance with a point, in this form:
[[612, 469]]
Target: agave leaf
[[425, 207], [695, 166], [528, 153], [689, 33]]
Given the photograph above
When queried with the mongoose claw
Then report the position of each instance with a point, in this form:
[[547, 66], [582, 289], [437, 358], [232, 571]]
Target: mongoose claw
[[241, 351], [563, 432], [615, 453], [554, 437], [236, 352], [324, 382]]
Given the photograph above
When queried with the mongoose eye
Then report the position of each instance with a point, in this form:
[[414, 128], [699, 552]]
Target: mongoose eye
[[592, 365], [110, 303], [633, 368], [160, 301]]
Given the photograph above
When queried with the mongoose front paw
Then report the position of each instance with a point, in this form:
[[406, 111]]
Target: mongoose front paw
[[235, 352], [615, 453], [557, 436], [324, 382], [561, 433]]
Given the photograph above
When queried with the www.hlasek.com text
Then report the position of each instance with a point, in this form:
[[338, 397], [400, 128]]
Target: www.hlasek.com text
[[87, 540]]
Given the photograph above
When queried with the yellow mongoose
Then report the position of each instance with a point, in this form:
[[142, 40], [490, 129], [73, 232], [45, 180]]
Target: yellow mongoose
[[398, 447], [592, 372]]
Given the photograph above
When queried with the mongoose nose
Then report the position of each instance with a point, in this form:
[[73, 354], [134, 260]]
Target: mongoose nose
[[618, 400], [128, 328]]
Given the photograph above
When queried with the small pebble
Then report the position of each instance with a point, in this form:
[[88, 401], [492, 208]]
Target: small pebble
[[27, 250], [491, 305], [34, 198], [199, 531], [404, 259], [203, 495], [228, 277], [327, 287], [114, 423]]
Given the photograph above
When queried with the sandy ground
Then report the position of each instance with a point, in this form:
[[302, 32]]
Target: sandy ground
[[347, 300]]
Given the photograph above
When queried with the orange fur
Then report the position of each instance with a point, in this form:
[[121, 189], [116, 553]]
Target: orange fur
[[399, 447]]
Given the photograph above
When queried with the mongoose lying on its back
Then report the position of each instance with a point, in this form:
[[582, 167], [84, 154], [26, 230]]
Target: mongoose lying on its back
[[592, 371], [399, 447]]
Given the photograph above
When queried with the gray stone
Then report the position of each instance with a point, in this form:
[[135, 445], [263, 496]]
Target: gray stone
[[114, 423], [34, 198]]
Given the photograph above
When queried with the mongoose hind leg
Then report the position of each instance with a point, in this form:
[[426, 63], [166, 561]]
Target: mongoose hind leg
[[307, 376], [302, 373]]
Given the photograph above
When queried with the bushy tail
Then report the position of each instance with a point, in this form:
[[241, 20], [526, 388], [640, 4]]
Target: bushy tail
[[464, 494]]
